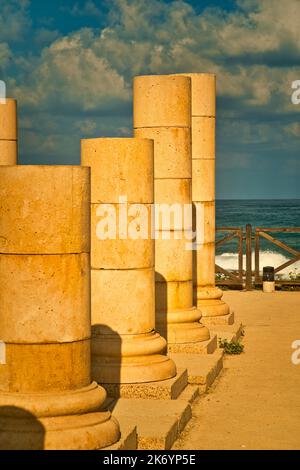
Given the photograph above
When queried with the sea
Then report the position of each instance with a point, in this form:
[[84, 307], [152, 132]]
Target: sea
[[259, 213]]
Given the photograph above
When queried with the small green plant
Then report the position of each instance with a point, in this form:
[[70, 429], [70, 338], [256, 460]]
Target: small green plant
[[294, 275], [231, 347]]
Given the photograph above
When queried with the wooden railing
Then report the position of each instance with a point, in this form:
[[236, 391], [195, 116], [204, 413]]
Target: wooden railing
[[247, 278], [263, 233], [230, 277]]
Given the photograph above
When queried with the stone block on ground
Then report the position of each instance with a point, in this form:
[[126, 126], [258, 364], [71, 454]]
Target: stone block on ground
[[218, 320], [158, 422], [128, 440], [169, 389], [202, 369], [203, 347], [228, 332]]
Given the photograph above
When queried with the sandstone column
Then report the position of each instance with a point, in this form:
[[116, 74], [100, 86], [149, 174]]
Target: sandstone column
[[203, 195], [8, 132], [162, 111], [47, 399], [125, 347]]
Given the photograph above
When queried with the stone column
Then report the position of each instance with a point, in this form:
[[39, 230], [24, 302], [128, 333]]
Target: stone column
[[47, 400], [162, 111], [126, 348], [8, 133], [203, 195]]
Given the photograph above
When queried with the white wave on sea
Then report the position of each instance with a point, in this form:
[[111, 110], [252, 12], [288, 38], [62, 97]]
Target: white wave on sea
[[229, 261]]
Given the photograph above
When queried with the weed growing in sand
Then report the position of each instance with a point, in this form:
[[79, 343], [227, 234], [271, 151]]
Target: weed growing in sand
[[231, 347]]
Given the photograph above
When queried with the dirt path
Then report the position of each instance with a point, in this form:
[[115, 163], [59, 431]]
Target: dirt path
[[255, 403]]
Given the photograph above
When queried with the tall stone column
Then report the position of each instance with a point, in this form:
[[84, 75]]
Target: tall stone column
[[209, 297], [47, 400], [8, 132], [126, 348], [162, 112]]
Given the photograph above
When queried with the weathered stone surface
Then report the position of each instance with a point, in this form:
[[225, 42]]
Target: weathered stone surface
[[161, 101], [162, 107], [44, 210], [170, 143], [8, 120], [47, 298], [172, 191], [120, 167], [8, 152], [203, 188], [123, 300], [159, 422], [203, 138], [175, 295], [128, 440], [53, 367], [126, 349], [209, 299], [206, 217], [202, 369], [172, 261], [47, 400], [118, 253], [230, 332], [203, 93], [8, 132], [170, 389], [203, 183]]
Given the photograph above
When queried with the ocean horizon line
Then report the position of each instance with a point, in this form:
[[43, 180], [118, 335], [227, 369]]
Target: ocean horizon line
[[259, 199]]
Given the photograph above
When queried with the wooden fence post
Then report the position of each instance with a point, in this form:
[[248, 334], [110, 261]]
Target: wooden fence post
[[257, 249], [248, 257]]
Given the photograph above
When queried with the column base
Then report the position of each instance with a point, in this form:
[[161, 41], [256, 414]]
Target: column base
[[159, 422], [202, 370], [182, 327], [128, 439], [220, 320], [201, 347], [56, 421], [129, 359], [229, 332], [210, 303], [169, 389]]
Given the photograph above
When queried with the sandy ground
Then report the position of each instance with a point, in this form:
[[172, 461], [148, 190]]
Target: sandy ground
[[255, 403]]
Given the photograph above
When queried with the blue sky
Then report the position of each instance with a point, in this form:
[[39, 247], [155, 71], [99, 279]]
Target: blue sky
[[70, 64]]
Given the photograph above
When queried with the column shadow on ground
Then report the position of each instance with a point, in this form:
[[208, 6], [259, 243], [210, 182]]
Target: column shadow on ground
[[20, 430]]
